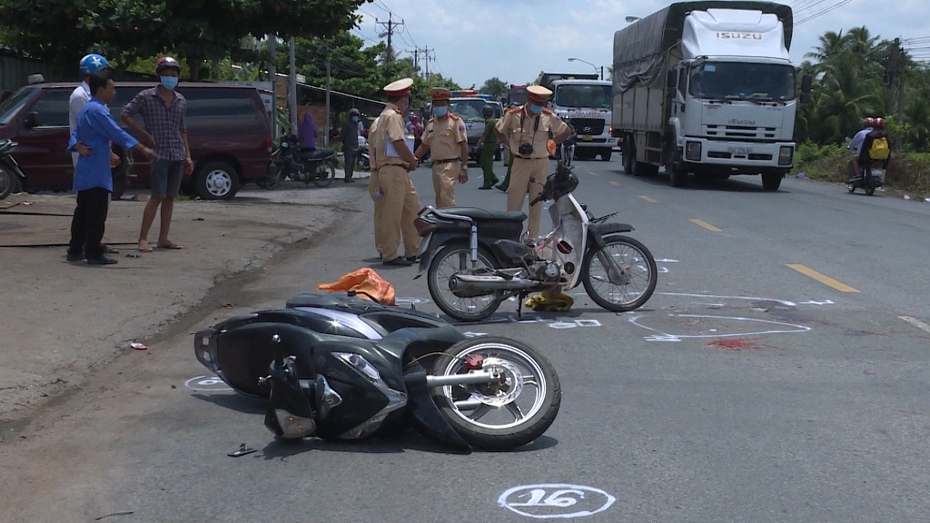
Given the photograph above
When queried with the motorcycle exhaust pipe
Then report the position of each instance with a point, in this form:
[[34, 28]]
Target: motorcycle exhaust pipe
[[473, 285], [474, 378]]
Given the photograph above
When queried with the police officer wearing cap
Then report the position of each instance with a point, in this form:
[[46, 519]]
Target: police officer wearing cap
[[525, 131], [396, 200], [447, 142]]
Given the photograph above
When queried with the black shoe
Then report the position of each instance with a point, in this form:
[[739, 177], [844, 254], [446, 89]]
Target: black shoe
[[103, 260], [485, 187], [399, 262], [75, 257], [412, 259], [500, 188], [350, 180]]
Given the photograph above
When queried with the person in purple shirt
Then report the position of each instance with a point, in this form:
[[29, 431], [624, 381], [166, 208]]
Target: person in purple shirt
[[308, 132], [93, 181]]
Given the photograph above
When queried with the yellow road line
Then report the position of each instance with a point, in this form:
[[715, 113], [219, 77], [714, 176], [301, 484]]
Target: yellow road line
[[704, 224], [826, 280], [648, 199], [615, 183]]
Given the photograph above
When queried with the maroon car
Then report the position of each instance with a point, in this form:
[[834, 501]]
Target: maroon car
[[227, 130]]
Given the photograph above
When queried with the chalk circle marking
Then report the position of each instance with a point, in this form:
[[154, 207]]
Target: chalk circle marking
[[207, 383], [555, 500]]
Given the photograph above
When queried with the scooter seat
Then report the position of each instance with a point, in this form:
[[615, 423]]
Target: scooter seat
[[480, 215], [316, 154]]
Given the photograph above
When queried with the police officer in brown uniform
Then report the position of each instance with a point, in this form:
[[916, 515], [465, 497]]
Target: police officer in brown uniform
[[525, 131], [396, 200], [447, 142]]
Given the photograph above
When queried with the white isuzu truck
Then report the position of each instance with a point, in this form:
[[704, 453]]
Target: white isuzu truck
[[707, 88], [584, 102]]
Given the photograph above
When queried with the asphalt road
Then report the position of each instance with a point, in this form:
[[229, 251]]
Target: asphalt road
[[779, 373]]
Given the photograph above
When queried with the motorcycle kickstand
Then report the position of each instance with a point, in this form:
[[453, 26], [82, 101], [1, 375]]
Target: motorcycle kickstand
[[520, 298]]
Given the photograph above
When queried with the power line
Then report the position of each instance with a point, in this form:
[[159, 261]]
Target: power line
[[821, 12]]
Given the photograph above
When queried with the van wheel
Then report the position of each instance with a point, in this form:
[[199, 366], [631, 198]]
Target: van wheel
[[216, 181], [605, 155]]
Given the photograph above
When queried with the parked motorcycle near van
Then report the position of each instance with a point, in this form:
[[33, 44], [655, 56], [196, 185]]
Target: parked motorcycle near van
[[474, 258], [11, 176], [317, 166], [339, 367]]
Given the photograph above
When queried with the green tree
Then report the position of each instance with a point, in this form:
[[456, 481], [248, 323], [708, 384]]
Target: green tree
[[495, 86], [61, 31]]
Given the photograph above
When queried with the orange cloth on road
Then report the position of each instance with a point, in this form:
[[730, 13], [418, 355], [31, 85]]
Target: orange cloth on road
[[363, 280]]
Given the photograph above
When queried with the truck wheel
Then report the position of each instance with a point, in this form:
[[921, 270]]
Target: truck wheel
[[679, 176], [216, 181], [605, 154], [771, 181], [628, 151]]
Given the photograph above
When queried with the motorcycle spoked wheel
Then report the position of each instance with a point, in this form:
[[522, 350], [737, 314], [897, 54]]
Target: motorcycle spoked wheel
[[636, 261], [453, 259], [324, 173], [504, 415]]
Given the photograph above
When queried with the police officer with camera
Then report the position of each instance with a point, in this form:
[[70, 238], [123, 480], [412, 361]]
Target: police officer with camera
[[525, 132]]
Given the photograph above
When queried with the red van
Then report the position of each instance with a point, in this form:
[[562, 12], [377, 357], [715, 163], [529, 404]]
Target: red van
[[227, 130]]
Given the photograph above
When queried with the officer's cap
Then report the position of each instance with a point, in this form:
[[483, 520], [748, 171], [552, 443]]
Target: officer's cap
[[399, 88], [538, 93]]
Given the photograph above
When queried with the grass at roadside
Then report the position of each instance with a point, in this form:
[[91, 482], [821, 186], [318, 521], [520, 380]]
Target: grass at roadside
[[908, 172]]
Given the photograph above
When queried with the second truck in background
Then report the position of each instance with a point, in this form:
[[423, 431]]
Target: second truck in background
[[584, 102]]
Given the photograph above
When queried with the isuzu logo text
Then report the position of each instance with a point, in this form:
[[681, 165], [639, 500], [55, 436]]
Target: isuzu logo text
[[728, 35]]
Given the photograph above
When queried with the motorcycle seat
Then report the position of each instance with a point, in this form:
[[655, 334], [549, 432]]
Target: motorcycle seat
[[316, 154], [479, 215]]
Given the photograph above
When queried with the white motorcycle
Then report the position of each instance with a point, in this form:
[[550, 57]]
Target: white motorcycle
[[475, 259]]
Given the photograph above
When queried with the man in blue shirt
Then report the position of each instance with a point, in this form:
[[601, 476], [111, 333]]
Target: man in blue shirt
[[93, 182]]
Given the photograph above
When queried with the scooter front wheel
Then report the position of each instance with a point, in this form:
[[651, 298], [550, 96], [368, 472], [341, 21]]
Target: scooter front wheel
[[451, 260], [621, 276], [510, 411], [324, 174]]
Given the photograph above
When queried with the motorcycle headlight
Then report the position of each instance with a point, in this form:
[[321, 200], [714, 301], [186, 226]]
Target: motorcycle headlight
[[360, 364]]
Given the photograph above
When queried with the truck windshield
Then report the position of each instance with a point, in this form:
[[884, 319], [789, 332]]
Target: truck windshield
[[590, 96], [743, 81]]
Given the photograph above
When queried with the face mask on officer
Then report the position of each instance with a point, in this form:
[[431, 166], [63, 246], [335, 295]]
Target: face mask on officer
[[536, 109], [169, 82], [440, 111]]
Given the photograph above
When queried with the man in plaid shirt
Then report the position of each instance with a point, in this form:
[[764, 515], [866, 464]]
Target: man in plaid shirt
[[162, 112]]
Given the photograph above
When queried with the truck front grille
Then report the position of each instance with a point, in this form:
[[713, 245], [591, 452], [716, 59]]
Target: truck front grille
[[587, 125], [741, 132]]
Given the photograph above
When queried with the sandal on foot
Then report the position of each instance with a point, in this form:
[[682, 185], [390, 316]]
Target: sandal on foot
[[169, 245], [145, 247]]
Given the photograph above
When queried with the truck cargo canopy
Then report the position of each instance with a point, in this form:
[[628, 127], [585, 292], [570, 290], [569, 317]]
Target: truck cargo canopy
[[641, 49]]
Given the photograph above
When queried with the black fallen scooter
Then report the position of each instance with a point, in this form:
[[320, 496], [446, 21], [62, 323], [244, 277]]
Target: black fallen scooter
[[340, 368]]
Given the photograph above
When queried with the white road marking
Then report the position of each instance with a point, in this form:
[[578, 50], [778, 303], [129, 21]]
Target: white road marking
[[917, 323], [790, 328]]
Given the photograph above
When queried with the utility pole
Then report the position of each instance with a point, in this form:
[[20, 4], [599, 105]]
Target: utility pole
[[428, 54], [389, 26]]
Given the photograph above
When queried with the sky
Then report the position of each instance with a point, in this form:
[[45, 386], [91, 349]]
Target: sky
[[471, 41]]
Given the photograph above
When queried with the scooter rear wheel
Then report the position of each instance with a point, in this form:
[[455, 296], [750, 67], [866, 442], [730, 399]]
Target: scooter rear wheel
[[7, 181], [453, 259], [504, 414]]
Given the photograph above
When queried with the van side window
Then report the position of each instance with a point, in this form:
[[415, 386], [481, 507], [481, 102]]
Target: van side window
[[52, 109], [219, 107]]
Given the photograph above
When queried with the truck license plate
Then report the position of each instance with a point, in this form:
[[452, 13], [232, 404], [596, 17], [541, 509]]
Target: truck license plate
[[739, 150], [586, 138]]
